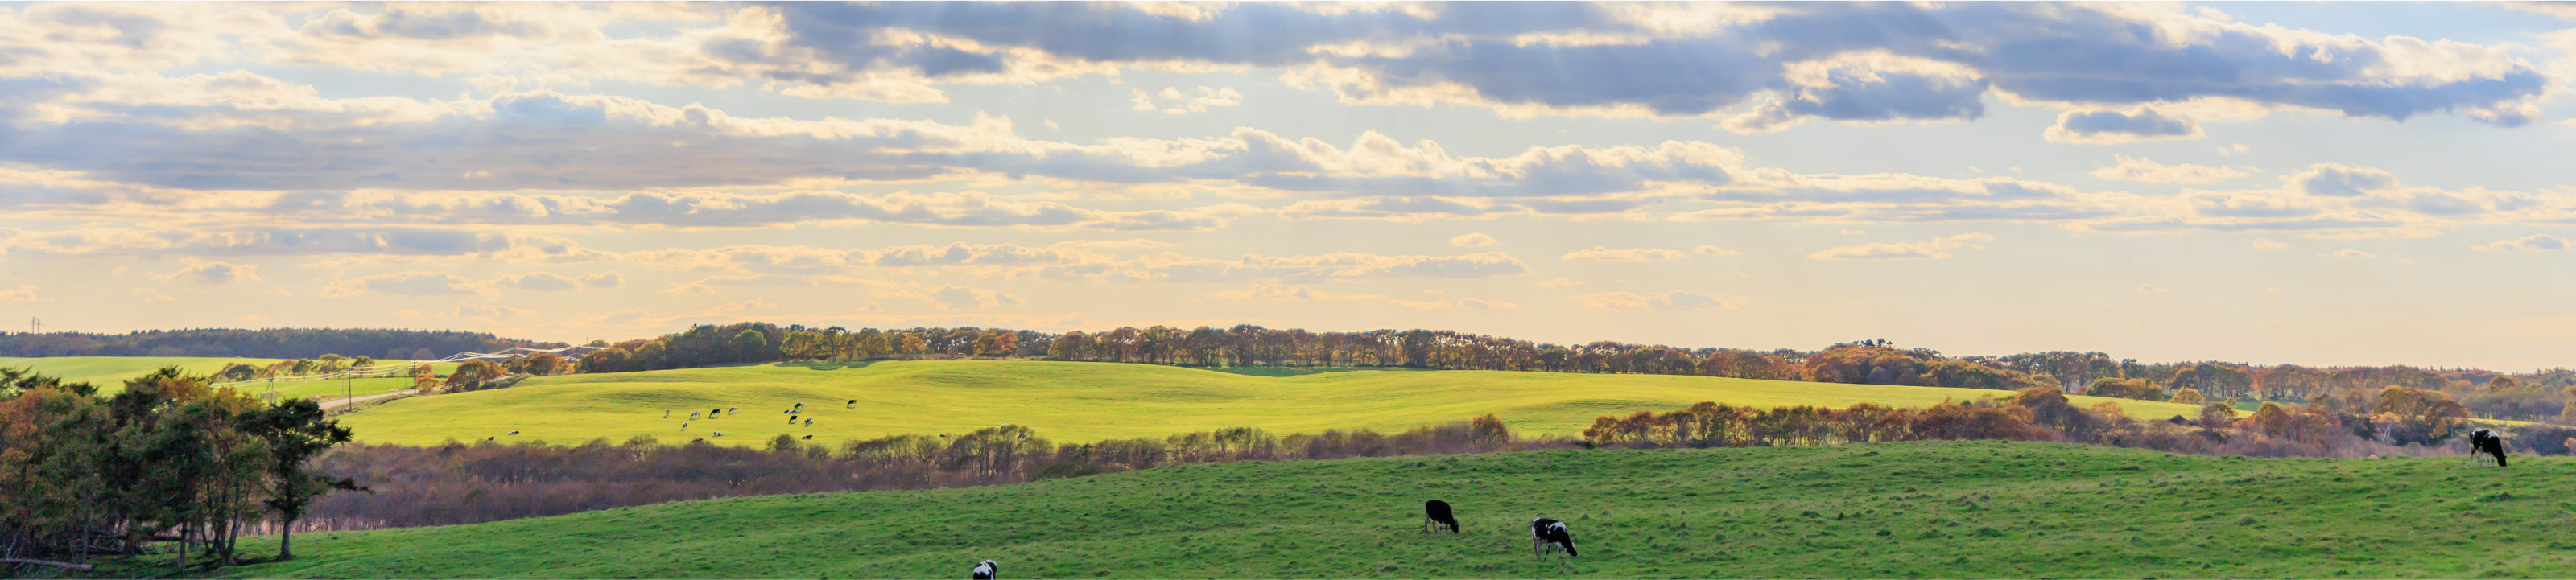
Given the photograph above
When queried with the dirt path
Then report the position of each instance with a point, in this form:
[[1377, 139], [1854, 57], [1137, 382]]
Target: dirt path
[[360, 399]]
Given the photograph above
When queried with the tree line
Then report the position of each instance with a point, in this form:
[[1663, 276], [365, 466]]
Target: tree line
[[459, 484], [170, 460], [381, 343], [2393, 420], [2533, 396]]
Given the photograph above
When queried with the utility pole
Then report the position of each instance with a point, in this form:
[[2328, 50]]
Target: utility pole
[[35, 325]]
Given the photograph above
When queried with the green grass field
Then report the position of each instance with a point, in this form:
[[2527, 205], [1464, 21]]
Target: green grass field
[[1078, 402], [1925, 509], [110, 372]]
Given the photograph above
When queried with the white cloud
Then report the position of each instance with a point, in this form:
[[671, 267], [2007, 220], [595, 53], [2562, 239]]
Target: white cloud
[[1559, 282], [1175, 101], [1603, 254], [2138, 169], [2268, 244], [2530, 243], [1934, 249], [1473, 240], [211, 272], [2150, 289], [2349, 253], [1274, 292], [1675, 300], [23, 293]]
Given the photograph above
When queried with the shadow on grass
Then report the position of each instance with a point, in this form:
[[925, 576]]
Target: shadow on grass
[[1301, 371]]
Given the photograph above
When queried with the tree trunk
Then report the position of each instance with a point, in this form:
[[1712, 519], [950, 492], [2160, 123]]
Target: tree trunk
[[286, 540]]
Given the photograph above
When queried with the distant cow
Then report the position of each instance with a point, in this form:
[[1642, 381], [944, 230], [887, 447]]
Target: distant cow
[[2484, 442], [514, 432], [809, 422], [800, 405], [730, 409], [1548, 535], [806, 437], [1435, 513], [853, 403], [666, 413], [684, 425], [719, 434], [986, 570]]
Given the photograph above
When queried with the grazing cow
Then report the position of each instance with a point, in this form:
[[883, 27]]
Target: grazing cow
[[719, 434], [684, 425], [986, 570], [800, 405], [1436, 512], [487, 439], [1549, 535], [791, 420], [806, 437], [853, 403], [666, 413], [711, 413], [2484, 442], [693, 415], [514, 432], [730, 409], [809, 422]]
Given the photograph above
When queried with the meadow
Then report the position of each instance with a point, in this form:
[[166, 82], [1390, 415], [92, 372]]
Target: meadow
[[109, 374], [1920, 509], [1079, 401]]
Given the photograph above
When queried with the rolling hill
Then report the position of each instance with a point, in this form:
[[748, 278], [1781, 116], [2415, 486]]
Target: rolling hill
[[1923, 509], [109, 373], [1078, 402]]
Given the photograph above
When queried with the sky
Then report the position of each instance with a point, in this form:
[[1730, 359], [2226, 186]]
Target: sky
[[2309, 183]]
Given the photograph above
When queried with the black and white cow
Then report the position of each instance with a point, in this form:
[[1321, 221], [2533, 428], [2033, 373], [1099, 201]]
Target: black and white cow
[[853, 404], [2484, 442], [986, 570], [1549, 535], [1435, 513]]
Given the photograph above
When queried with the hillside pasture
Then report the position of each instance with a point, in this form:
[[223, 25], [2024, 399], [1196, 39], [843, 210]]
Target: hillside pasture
[[1983, 509], [1081, 402]]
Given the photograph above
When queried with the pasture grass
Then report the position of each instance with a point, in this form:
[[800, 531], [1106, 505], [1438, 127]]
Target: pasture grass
[[109, 373], [1079, 402], [1981, 509]]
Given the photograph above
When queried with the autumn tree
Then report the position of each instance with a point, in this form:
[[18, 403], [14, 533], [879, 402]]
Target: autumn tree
[[296, 432]]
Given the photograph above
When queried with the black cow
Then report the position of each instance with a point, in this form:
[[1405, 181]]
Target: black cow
[[986, 570], [806, 437], [853, 403], [2484, 442], [1436, 512], [1549, 535]]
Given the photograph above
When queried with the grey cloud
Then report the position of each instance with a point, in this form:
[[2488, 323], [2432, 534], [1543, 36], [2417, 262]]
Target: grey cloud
[[2330, 180], [2107, 126], [2049, 51]]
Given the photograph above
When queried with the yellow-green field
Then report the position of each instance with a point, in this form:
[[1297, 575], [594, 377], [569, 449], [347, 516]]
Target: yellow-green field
[[110, 372], [1075, 402]]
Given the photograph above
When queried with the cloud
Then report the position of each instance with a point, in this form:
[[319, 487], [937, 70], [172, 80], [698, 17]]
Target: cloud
[[2268, 244], [2350, 254], [1934, 249], [1472, 241], [1603, 254], [965, 298], [486, 312], [2530, 243], [401, 284], [2128, 168], [1273, 292], [23, 293], [2150, 289], [1792, 57], [1675, 300], [1181, 103], [1559, 282], [552, 282], [2109, 127], [2340, 181], [211, 272]]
